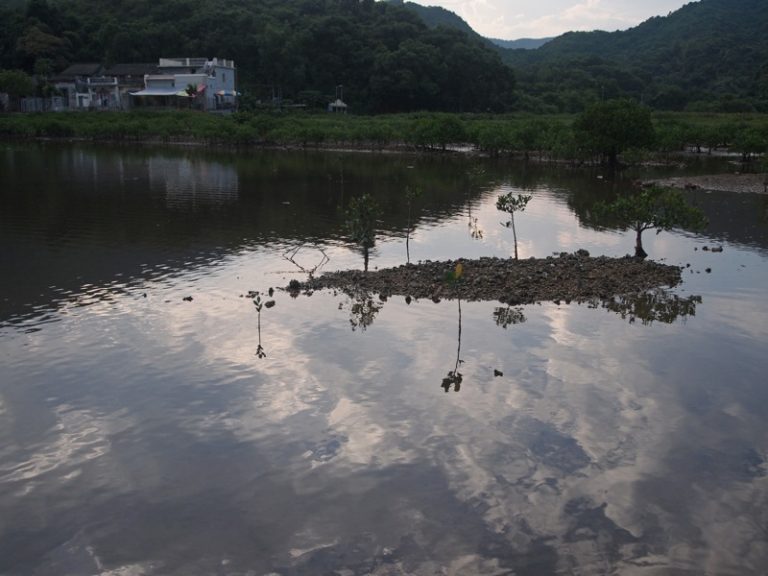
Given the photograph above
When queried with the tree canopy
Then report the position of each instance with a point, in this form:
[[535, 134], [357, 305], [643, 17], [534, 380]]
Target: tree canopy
[[653, 208], [708, 55], [610, 128], [384, 56]]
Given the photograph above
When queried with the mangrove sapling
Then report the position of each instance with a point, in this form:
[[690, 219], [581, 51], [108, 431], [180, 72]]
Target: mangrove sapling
[[659, 208], [510, 204], [361, 224]]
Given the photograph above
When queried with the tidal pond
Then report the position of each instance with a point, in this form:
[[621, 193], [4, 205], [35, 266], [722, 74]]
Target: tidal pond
[[154, 421]]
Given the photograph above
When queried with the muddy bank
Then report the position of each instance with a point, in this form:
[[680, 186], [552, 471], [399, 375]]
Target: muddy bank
[[754, 183], [568, 277]]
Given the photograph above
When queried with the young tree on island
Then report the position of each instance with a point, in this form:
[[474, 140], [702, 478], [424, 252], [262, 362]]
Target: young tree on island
[[659, 208], [510, 203], [361, 224]]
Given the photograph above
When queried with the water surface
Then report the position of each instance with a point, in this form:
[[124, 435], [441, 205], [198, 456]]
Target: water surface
[[140, 433]]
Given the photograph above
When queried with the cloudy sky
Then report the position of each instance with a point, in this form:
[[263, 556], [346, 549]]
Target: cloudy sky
[[512, 19]]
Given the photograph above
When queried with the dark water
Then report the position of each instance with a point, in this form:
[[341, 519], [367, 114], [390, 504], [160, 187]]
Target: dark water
[[141, 434]]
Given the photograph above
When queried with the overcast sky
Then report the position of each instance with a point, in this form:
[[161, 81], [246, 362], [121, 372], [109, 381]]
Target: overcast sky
[[512, 19]]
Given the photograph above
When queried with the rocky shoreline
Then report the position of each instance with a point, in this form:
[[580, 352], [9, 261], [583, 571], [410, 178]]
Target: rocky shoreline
[[567, 277]]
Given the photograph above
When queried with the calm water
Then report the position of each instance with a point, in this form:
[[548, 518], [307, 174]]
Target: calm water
[[140, 433]]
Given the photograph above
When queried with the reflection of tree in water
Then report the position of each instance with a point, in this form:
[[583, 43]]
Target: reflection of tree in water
[[653, 306], [508, 316], [475, 179], [454, 377], [474, 228], [260, 352], [291, 254], [363, 310]]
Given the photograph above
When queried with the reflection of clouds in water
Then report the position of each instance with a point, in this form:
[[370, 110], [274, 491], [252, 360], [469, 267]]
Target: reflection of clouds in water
[[288, 384], [748, 320], [574, 447], [582, 438], [78, 437], [369, 444]]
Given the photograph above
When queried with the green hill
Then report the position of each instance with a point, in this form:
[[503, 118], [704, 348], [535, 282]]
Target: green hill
[[386, 58], [434, 16], [393, 56], [711, 53]]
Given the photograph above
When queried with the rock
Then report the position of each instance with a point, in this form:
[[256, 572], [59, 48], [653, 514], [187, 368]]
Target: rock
[[497, 373], [187, 298]]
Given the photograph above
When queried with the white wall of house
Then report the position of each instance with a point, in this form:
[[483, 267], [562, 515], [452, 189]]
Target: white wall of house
[[214, 81], [101, 93]]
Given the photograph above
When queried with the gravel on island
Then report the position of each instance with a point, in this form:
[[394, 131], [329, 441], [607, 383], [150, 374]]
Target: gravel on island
[[567, 277]]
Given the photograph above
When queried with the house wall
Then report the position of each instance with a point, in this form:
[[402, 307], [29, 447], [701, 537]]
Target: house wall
[[216, 75]]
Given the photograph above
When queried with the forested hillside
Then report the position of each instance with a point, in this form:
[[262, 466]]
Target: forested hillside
[[711, 54], [384, 55], [393, 56]]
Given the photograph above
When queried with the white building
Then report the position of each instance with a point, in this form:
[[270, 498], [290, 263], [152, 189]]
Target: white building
[[85, 87], [190, 82]]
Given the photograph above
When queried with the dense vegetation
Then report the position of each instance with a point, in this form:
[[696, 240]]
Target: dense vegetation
[[383, 55], [395, 56], [592, 136], [709, 55]]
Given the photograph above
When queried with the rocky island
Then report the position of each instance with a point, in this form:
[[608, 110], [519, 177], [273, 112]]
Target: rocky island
[[567, 277]]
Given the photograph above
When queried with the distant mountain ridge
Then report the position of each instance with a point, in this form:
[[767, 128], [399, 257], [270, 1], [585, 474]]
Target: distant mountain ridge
[[434, 16], [521, 43]]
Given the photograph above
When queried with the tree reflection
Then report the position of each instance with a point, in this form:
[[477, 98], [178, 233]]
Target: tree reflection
[[362, 215], [658, 305], [260, 352], [475, 178], [506, 317], [291, 254], [363, 310], [454, 377], [474, 228]]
